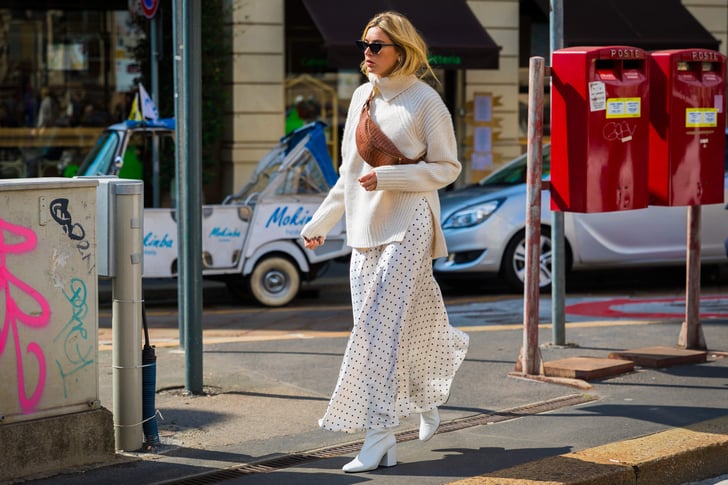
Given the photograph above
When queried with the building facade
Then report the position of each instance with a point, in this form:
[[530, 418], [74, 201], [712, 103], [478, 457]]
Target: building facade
[[280, 77]]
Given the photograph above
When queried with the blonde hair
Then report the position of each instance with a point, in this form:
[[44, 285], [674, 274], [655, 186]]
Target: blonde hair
[[409, 43]]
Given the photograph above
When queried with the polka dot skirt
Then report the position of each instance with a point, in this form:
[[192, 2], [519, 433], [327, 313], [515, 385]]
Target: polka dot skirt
[[403, 353]]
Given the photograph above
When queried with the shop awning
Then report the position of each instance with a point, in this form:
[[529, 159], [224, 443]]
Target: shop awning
[[647, 24], [456, 38]]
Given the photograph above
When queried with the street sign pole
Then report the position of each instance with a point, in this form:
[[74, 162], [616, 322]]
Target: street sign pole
[[154, 64], [188, 174], [558, 241]]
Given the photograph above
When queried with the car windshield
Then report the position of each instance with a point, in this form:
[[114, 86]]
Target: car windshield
[[99, 159], [267, 170], [515, 172]]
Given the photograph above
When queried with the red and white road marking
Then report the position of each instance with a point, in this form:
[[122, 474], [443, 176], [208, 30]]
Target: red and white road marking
[[715, 306]]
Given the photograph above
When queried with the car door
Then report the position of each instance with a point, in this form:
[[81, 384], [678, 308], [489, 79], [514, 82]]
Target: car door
[[653, 235]]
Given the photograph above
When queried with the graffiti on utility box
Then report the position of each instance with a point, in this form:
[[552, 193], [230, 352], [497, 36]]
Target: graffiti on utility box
[[48, 301]]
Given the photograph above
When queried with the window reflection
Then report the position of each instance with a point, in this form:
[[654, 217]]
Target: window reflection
[[65, 75]]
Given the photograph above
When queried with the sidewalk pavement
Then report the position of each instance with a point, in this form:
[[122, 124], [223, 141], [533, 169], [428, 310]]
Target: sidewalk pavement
[[264, 392]]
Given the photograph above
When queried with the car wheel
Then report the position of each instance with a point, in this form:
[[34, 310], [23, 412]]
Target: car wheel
[[275, 281], [514, 261]]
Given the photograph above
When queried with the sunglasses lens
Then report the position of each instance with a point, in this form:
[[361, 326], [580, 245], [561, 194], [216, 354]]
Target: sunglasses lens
[[363, 45]]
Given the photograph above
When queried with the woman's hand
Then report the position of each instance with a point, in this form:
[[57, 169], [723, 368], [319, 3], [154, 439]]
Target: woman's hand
[[368, 181], [313, 242]]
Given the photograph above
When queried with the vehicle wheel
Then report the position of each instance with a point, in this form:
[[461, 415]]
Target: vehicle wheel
[[514, 261], [275, 281]]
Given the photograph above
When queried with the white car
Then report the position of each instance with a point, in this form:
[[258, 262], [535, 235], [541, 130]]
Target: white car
[[484, 225]]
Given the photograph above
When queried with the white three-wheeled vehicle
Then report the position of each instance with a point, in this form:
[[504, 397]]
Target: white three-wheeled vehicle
[[252, 239]]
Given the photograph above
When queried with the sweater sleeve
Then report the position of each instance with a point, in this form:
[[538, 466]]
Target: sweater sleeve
[[328, 213], [440, 166]]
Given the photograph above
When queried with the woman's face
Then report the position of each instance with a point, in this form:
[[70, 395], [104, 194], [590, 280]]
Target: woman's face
[[386, 59]]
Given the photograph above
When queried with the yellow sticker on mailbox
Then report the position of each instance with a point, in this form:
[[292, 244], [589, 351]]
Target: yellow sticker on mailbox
[[701, 117], [624, 107]]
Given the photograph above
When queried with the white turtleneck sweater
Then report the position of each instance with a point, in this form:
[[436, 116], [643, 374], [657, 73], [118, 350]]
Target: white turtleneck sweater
[[413, 116]]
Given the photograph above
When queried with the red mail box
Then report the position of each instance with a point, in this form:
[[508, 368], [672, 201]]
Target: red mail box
[[687, 120], [599, 129]]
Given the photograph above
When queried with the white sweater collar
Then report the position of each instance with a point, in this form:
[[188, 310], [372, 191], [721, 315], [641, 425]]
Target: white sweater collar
[[390, 87]]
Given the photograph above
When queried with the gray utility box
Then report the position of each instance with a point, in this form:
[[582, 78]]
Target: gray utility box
[[48, 302]]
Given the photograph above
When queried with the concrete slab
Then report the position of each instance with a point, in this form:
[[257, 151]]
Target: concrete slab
[[587, 368], [670, 457], [51, 444], [661, 356]]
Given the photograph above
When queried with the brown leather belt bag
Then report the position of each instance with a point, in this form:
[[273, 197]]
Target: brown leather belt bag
[[373, 145]]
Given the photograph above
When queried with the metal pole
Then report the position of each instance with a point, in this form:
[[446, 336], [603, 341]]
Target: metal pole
[[155, 97], [558, 241], [180, 135], [530, 359], [691, 333], [190, 199], [126, 325]]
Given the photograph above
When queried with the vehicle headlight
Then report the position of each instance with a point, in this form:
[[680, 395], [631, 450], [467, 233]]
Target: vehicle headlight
[[471, 216]]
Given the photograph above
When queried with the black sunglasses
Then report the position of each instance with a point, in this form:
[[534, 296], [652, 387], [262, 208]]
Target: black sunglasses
[[375, 47]]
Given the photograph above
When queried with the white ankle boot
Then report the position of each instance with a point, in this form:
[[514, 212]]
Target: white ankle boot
[[429, 421], [379, 448]]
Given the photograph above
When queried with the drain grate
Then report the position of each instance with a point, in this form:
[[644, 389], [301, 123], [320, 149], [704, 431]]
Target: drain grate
[[294, 459]]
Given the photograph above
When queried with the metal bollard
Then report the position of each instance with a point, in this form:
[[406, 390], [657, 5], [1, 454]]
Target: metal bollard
[[127, 218]]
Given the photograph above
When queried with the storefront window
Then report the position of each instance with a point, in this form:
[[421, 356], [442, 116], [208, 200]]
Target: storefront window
[[65, 74]]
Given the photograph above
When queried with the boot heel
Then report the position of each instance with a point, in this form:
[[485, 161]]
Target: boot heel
[[378, 449], [390, 457]]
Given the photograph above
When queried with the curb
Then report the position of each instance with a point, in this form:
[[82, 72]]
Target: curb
[[675, 456]]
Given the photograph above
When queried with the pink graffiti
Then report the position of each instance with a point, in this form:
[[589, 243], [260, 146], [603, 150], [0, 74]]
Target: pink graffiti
[[14, 314]]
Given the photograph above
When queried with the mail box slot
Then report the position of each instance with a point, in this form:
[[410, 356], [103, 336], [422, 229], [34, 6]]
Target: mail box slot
[[687, 127], [599, 129]]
